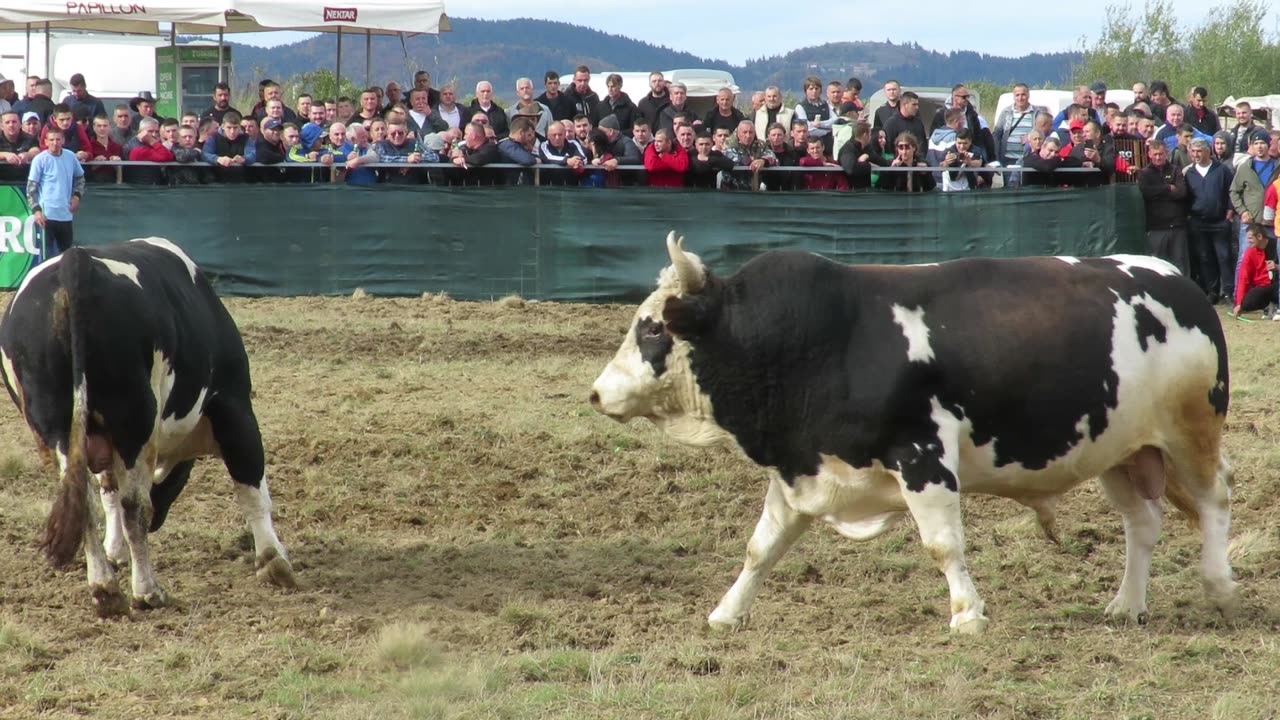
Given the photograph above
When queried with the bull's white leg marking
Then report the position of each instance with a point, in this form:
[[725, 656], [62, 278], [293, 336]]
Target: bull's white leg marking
[[916, 332], [107, 598], [936, 510], [136, 502], [123, 269], [269, 555], [778, 529], [113, 519], [1215, 530], [1142, 520]]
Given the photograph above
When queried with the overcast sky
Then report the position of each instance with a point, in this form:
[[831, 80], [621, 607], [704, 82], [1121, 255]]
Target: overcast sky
[[735, 30]]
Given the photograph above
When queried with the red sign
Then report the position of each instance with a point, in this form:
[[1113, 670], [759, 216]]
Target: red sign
[[78, 8], [339, 14]]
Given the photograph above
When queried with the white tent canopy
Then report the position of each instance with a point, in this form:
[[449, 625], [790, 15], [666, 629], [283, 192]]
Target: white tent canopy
[[203, 16], [380, 17], [123, 16]]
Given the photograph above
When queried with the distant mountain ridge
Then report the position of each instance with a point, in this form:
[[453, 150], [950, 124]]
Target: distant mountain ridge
[[503, 50]]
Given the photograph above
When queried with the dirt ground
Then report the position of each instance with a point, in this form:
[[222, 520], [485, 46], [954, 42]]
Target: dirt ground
[[472, 540]]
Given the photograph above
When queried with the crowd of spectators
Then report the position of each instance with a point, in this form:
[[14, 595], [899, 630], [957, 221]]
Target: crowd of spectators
[[572, 136]]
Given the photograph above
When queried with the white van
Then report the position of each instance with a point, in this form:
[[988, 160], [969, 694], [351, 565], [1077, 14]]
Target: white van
[[114, 66]]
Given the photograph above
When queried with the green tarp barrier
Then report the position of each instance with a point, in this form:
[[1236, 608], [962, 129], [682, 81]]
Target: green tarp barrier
[[577, 243]]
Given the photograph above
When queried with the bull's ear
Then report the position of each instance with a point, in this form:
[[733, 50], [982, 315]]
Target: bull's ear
[[687, 316]]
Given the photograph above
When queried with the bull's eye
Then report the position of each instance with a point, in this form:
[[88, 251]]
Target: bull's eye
[[654, 330]]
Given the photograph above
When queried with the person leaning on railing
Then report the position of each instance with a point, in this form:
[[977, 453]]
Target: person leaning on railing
[[906, 150]]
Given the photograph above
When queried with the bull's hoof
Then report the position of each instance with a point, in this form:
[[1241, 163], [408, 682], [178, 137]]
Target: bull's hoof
[[724, 622], [275, 569], [1119, 611], [1226, 598], [972, 626], [153, 600], [109, 602]]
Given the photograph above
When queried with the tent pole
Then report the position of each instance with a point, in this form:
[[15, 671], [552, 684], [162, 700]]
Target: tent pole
[[28, 61], [368, 57], [221, 62], [48, 71], [337, 73]]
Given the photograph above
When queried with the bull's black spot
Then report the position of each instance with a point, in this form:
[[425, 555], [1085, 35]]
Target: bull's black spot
[[654, 343], [1149, 326]]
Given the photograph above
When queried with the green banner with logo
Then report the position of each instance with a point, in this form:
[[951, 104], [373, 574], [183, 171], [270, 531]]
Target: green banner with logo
[[19, 251]]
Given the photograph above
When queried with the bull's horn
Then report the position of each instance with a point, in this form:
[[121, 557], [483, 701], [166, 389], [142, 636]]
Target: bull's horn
[[691, 277]]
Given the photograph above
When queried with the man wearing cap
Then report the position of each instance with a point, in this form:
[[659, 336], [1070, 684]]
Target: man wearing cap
[[54, 186], [145, 106], [1249, 186], [17, 148], [527, 106], [621, 147], [83, 106]]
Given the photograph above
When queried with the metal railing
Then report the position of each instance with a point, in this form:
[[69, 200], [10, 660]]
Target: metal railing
[[757, 176]]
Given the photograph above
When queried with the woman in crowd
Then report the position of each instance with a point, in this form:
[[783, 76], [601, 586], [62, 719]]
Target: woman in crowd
[[906, 154]]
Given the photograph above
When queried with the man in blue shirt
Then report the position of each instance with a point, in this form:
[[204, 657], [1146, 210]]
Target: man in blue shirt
[[54, 187]]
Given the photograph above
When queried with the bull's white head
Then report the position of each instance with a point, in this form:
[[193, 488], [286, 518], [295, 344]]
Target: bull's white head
[[650, 376]]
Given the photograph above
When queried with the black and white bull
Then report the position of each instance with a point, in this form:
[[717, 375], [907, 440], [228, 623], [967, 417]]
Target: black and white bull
[[870, 391], [126, 365]]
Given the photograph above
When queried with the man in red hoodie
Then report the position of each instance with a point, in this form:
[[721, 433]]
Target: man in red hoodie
[[74, 132], [666, 161], [1255, 287]]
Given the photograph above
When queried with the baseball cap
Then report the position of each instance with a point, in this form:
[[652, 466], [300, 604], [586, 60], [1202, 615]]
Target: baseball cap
[[1259, 135], [272, 124], [1098, 87], [30, 116], [1076, 124]]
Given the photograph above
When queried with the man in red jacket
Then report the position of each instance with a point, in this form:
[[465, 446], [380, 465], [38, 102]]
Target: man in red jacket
[[77, 138], [666, 161]]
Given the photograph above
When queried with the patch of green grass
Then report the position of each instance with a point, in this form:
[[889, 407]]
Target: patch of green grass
[[12, 467], [555, 666]]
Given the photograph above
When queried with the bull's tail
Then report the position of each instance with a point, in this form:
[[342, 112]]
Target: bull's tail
[[64, 531]]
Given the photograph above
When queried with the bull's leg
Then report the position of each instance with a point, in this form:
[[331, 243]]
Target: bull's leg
[[135, 499], [1142, 519], [236, 431], [1201, 480], [108, 600], [1215, 529], [113, 520], [778, 529], [928, 473]]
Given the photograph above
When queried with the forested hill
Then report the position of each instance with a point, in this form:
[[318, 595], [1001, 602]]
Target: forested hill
[[501, 51]]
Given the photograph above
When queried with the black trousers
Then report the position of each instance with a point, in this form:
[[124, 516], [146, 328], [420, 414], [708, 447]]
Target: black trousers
[[1211, 256], [57, 237], [1257, 298]]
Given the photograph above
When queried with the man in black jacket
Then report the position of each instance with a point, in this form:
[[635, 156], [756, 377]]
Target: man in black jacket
[[584, 99], [617, 104], [1209, 221], [907, 119], [560, 104], [651, 105], [1164, 190]]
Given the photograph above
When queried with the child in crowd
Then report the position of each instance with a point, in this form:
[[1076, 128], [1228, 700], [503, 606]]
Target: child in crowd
[[1255, 288]]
